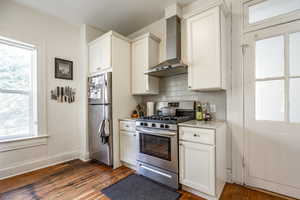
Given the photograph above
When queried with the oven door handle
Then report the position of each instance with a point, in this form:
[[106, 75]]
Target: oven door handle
[[161, 133]]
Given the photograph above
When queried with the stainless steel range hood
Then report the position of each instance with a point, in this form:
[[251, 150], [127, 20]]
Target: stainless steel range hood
[[173, 65]]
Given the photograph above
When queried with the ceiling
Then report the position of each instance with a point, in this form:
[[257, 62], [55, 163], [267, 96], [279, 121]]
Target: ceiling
[[123, 16]]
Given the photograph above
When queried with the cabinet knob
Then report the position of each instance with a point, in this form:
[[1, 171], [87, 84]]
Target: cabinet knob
[[190, 86], [196, 135], [134, 134]]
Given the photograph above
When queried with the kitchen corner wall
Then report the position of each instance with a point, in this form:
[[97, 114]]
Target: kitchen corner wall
[[176, 88], [87, 34]]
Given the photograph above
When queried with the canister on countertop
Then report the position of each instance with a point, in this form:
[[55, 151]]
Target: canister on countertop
[[150, 108]]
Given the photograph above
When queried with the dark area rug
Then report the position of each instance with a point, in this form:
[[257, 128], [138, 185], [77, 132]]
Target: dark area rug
[[136, 187]]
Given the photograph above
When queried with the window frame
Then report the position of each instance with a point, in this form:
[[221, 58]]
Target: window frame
[[279, 19], [38, 94]]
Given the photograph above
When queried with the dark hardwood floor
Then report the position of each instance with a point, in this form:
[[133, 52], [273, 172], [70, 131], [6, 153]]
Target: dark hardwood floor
[[83, 181]]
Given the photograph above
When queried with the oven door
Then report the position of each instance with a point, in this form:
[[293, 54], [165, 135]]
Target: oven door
[[158, 148]]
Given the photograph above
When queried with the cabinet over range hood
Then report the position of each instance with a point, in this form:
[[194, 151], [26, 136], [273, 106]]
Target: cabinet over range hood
[[173, 65]]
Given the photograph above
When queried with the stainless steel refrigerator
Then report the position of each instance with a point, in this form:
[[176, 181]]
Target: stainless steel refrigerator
[[100, 118]]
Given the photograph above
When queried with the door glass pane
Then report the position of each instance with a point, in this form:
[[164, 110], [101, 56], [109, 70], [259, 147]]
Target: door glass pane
[[294, 54], [271, 8], [156, 146], [269, 57], [269, 100], [294, 100]]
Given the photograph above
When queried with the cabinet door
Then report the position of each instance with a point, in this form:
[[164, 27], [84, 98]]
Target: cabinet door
[[95, 57], [139, 66], [203, 50], [100, 54], [106, 56], [197, 166], [128, 147]]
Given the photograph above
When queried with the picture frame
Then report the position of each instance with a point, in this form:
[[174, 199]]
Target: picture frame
[[63, 69]]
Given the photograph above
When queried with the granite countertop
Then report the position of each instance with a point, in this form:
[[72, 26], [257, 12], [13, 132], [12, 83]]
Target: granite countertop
[[203, 124], [128, 119]]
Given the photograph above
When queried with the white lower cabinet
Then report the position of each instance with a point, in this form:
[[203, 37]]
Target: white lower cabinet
[[202, 160], [128, 143], [128, 148], [197, 166]]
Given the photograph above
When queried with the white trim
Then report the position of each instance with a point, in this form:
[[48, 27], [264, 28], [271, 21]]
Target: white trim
[[21, 143], [129, 165], [204, 195], [41, 78], [21, 167], [146, 35], [194, 8], [85, 157]]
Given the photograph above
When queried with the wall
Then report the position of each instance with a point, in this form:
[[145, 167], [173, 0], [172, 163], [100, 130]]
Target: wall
[[87, 34], [57, 39], [235, 107]]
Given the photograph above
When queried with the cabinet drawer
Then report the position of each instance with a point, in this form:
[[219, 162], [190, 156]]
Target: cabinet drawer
[[204, 136], [127, 126]]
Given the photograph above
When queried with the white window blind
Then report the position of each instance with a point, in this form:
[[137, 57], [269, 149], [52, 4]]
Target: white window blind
[[18, 107]]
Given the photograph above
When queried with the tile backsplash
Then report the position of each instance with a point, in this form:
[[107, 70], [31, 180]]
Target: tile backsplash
[[175, 88]]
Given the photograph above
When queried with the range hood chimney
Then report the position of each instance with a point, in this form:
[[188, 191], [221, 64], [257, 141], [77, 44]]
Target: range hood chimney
[[173, 65]]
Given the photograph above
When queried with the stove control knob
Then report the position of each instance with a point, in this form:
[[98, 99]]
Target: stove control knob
[[167, 126], [145, 124], [142, 124], [162, 126], [153, 125]]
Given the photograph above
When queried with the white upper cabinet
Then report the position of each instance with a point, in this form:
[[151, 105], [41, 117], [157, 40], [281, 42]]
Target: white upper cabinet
[[100, 54], [145, 54], [206, 50]]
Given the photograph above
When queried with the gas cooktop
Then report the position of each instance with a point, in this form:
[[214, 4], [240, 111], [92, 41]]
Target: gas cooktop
[[165, 119]]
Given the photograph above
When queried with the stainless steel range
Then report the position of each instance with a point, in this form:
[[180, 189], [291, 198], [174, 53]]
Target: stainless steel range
[[158, 141]]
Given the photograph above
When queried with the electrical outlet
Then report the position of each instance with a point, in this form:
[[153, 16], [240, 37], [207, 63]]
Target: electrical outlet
[[213, 108]]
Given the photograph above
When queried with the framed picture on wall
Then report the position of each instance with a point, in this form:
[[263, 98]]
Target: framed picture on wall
[[63, 69]]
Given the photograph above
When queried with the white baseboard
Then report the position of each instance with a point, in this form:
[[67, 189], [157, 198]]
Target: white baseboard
[[229, 176], [21, 168], [129, 165], [198, 193], [219, 188], [85, 157]]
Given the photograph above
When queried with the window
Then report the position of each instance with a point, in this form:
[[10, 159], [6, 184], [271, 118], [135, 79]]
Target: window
[[259, 14], [271, 8], [18, 101], [277, 73]]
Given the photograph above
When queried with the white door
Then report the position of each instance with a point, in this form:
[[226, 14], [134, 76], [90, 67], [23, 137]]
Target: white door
[[128, 147], [204, 54], [272, 109], [197, 166]]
